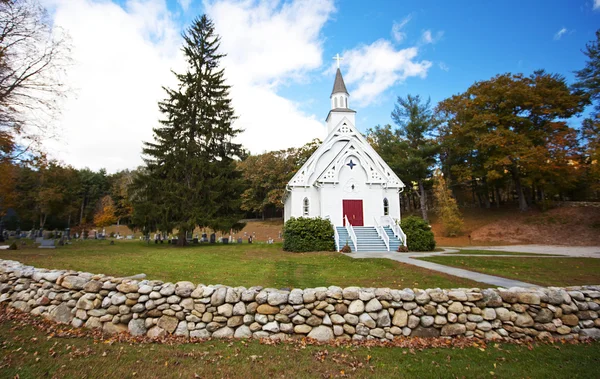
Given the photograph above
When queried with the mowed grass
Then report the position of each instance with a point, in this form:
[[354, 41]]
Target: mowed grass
[[494, 252], [542, 271], [28, 352], [236, 265]]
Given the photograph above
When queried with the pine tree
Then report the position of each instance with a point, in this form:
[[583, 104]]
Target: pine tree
[[190, 177]]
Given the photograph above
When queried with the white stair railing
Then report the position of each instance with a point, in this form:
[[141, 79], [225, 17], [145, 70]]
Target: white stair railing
[[351, 233], [337, 239], [382, 234], [396, 229]]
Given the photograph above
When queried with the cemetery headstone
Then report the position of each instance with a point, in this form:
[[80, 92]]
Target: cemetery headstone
[[250, 239], [239, 240], [213, 238]]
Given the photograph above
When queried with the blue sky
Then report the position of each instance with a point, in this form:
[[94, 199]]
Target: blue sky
[[280, 62]]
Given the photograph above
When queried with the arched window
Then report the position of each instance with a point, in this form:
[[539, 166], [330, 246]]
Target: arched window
[[386, 207], [335, 102], [306, 207], [346, 102]]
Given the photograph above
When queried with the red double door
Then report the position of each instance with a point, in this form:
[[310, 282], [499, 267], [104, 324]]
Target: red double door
[[353, 209]]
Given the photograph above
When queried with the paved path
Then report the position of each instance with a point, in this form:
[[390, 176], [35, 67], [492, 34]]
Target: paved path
[[476, 276], [569, 251]]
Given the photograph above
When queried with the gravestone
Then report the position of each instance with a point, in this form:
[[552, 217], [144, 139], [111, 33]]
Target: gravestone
[[240, 240], [213, 238], [47, 244], [225, 240], [204, 238]]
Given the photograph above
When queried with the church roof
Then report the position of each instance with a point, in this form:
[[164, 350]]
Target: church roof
[[338, 85]]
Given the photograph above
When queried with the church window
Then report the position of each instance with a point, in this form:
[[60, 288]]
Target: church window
[[386, 207], [335, 102], [346, 99], [306, 207]]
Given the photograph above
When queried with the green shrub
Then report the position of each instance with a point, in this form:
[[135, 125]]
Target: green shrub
[[13, 246], [308, 234], [419, 236]]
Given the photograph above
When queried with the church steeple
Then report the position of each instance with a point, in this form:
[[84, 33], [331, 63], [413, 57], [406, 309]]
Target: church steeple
[[339, 94], [339, 101]]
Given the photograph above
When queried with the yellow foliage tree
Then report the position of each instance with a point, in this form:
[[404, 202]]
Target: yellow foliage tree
[[446, 206], [105, 215]]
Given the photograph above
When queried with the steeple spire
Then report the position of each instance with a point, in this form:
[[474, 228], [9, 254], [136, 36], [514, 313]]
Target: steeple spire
[[338, 85]]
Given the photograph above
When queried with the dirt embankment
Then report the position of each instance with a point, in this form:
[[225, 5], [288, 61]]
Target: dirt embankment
[[578, 226]]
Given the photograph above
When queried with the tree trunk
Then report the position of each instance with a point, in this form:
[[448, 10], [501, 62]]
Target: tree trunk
[[423, 200], [81, 212], [181, 238], [497, 197], [519, 189]]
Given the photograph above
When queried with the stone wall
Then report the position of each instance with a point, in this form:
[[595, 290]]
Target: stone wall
[[154, 308]]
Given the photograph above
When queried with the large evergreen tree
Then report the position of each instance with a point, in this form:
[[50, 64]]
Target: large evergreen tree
[[190, 178]]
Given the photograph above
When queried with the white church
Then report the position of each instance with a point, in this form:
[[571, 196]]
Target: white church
[[347, 182]]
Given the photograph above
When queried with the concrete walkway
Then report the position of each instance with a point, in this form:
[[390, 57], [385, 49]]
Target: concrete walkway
[[568, 251], [476, 276]]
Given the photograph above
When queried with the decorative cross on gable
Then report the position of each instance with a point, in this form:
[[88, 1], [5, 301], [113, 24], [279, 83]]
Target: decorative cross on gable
[[351, 164]]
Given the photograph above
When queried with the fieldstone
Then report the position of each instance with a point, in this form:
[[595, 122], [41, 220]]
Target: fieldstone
[[373, 306], [296, 297], [356, 307], [367, 320], [327, 320], [154, 295], [427, 321], [420, 331], [338, 320], [440, 320], [366, 294], [489, 314], [438, 296], [334, 292], [314, 320], [503, 314], [351, 319], [145, 289], [200, 333], [77, 323], [563, 330], [272, 327], [422, 297], [400, 318], [73, 282], [484, 326], [156, 332], [544, 315], [457, 295], [377, 332], [261, 319], [137, 327], [118, 299], [528, 298], [218, 297], [225, 332], [184, 289], [413, 321], [350, 293], [276, 298], [302, 329], [524, 320], [92, 286], [383, 318], [286, 327], [321, 333], [86, 302], [168, 323], [491, 298], [243, 332], [182, 329], [453, 329], [570, 319], [593, 333], [267, 309], [62, 313], [110, 328], [128, 287], [167, 289], [225, 310], [309, 295]]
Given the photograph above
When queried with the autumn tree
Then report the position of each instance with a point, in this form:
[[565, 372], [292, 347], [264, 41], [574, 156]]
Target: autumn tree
[[105, 212], [190, 177], [33, 57], [120, 193], [446, 206], [516, 126]]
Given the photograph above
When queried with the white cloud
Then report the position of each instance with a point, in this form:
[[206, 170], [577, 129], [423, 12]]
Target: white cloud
[[374, 68], [119, 70], [185, 4], [443, 66], [561, 32], [429, 37], [269, 44], [397, 27], [117, 73], [596, 4]]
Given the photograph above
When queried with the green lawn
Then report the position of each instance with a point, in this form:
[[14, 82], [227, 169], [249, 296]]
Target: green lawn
[[494, 252], [235, 265], [542, 271], [32, 349]]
